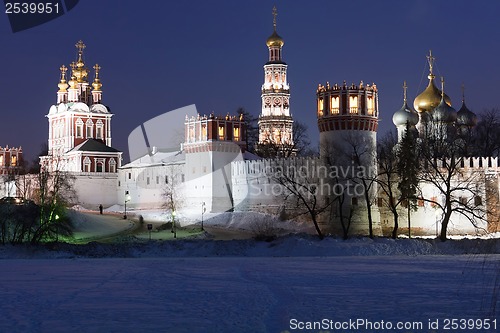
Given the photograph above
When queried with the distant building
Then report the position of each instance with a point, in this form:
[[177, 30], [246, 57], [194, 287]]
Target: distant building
[[10, 160]]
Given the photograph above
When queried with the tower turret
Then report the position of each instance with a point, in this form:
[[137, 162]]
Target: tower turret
[[347, 122], [275, 120]]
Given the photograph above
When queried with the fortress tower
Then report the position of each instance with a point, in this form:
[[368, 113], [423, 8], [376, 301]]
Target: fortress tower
[[347, 122], [211, 144], [275, 121]]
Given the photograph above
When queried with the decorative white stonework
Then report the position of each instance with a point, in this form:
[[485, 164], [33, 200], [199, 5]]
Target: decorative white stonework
[[275, 120]]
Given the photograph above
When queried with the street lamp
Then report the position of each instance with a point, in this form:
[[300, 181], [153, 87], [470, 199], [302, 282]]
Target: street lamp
[[127, 199], [174, 231], [203, 210], [437, 212]]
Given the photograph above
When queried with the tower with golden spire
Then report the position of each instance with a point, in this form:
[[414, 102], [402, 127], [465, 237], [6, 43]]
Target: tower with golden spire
[[275, 120]]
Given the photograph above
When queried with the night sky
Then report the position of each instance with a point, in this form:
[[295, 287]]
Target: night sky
[[157, 56]]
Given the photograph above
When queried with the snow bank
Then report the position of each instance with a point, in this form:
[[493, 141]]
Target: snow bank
[[289, 246]]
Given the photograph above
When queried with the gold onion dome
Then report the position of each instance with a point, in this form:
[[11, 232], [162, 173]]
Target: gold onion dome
[[97, 83], [430, 97], [63, 85], [275, 40]]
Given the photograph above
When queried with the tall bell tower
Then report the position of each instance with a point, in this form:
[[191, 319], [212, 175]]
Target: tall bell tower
[[275, 121]]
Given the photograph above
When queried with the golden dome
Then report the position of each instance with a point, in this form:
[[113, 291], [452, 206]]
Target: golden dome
[[62, 83], [63, 86], [72, 82], [430, 97], [97, 83], [275, 40]]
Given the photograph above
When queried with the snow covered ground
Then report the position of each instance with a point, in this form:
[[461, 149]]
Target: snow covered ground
[[293, 282]]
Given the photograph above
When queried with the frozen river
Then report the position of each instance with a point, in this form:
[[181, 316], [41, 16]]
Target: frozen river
[[244, 294]]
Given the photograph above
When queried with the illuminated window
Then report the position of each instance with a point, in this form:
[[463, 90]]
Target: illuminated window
[[204, 132], [320, 106], [1, 160], [334, 105], [13, 160], [370, 106], [236, 134], [221, 132], [353, 104], [79, 128]]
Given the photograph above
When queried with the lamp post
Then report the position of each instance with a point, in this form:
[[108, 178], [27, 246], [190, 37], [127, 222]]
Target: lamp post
[[127, 199], [174, 231], [437, 212], [203, 210]]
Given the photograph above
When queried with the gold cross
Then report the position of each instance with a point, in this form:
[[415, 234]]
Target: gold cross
[[80, 46], [63, 72], [97, 68], [430, 59], [275, 13]]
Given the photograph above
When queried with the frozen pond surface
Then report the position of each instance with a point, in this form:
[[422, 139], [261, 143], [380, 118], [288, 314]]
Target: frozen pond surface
[[242, 294]]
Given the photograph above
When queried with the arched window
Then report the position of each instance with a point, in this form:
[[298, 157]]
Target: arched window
[[99, 165], [112, 165], [99, 130], [334, 105], [86, 164], [89, 128], [79, 128], [353, 104]]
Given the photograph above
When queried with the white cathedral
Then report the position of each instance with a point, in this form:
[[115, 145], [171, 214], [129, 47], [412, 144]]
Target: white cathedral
[[212, 170]]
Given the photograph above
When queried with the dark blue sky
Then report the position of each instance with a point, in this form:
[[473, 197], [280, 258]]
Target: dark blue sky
[[160, 55]]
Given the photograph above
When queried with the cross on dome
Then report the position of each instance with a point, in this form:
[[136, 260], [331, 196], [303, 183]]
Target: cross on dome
[[275, 13], [430, 59]]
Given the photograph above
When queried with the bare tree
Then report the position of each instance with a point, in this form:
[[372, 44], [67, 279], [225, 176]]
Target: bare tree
[[442, 161], [362, 160], [388, 178], [486, 135], [251, 129], [304, 190]]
